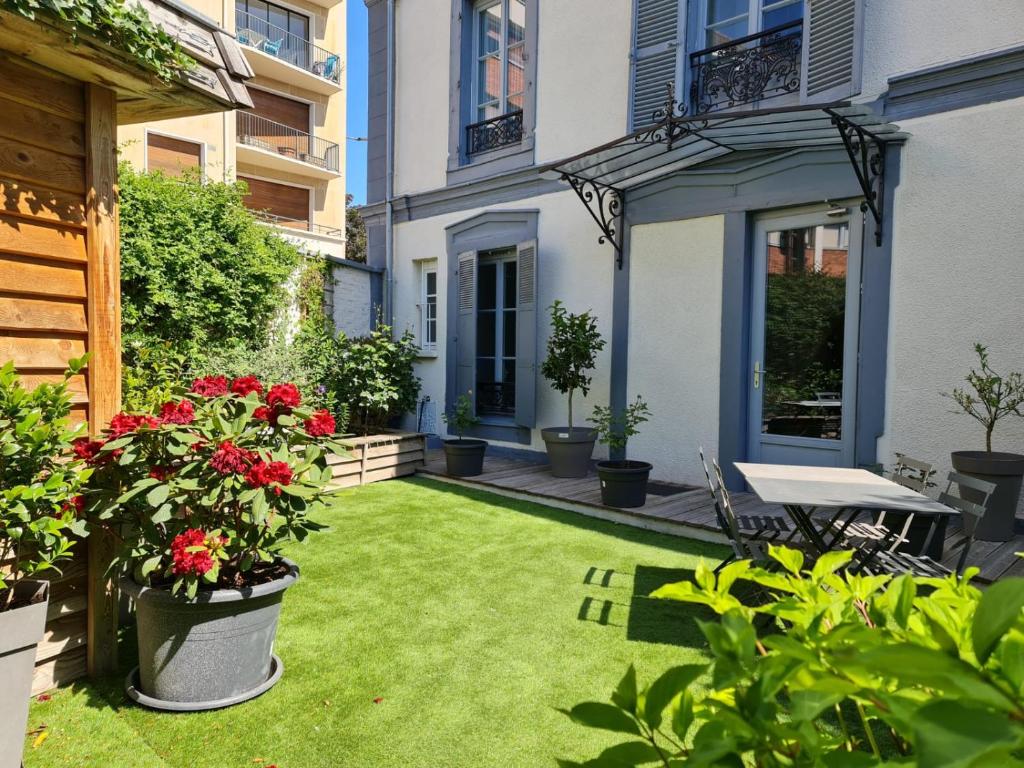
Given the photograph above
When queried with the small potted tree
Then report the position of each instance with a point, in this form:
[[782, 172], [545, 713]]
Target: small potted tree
[[571, 355], [40, 508], [623, 481], [989, 398], [465, 457]]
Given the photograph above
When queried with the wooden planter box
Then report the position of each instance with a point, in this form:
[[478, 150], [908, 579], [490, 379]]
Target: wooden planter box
[[378, 457]]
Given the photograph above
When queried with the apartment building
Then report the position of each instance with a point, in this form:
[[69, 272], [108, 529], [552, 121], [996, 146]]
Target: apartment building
[[682, 168], [289, 148]]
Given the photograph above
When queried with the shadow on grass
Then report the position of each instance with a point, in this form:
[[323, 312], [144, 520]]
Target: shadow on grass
[[107, 693]]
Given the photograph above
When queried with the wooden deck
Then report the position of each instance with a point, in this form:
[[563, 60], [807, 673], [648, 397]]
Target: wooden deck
[[687, 512]]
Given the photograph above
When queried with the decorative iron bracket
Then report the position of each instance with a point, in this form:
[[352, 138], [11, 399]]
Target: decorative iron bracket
[[867, 155], [604, 204]]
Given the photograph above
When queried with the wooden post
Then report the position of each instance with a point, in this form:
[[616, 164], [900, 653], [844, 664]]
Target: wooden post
[[104, 371]]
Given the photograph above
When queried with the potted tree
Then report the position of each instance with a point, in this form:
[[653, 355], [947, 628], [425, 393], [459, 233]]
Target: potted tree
[[623, 481], [571, 355], [465, 457], [40, 505], [203, 494], [988, 398]]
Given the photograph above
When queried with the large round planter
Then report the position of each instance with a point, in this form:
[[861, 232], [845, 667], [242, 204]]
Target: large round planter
[[465, 457], [623, 483], [569, 450], [21, 629], [212, 651], [1006, 471]]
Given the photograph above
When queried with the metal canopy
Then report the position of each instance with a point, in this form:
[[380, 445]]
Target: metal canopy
[[677, 143]]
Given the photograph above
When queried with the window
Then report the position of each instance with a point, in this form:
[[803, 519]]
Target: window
[[428, 308], [274, 29], [171, 155], [497, 282], [500, 40], [726, 20], [282, 204]]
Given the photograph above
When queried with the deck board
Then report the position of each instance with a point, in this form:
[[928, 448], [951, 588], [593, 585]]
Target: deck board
[[689, 513]]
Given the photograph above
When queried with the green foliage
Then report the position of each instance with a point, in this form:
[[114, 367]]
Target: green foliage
[[355, 233], [463, 415], [614, 430], [572, 352], [376, 379], [38, 482], [152, 374], [991, 396], [197, 268], [116, 23], [865, 671]]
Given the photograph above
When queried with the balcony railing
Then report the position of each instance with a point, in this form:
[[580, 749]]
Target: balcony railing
[[256, 131], [494, 133], [747, 70], [280, 43], [299, 225]]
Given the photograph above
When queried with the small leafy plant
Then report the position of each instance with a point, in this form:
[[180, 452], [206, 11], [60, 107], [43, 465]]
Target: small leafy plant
[[990, 396], [376, 378], [862, 671], [40, 488], [462, 416], [572, 352], [614, 430], [205, 491]]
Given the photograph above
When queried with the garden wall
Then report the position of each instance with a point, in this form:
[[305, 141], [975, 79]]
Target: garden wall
[[354, 297]]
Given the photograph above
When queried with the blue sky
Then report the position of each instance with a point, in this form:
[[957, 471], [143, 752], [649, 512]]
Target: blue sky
[[355, 152]]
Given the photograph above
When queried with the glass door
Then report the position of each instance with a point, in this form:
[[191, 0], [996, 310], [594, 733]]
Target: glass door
[[803, 362]]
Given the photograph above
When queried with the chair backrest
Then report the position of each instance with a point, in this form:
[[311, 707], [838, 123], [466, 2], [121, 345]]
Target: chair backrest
[[911, 473], [975, 507], [723, 509], [272, 47]]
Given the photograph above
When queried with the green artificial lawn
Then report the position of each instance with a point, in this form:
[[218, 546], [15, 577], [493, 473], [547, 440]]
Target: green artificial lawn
[[433, 626]]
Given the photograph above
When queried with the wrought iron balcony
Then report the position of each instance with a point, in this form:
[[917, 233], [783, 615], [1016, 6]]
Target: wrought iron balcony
[[281, 44], [494, 133], [256, 131], [747, 70]]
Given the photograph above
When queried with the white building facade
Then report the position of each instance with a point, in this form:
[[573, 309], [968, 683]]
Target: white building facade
[[743, 291]]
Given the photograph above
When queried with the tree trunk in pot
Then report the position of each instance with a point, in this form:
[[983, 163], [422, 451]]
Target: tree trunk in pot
[[21, 629]]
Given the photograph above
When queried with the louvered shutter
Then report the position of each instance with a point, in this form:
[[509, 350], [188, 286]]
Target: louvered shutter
[[656, 58], [526, 335], [465, 340], [832, 46]]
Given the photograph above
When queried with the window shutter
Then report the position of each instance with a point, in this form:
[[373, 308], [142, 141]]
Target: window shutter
[[655, 59], [526, 335], [465, 340], [832, 45]]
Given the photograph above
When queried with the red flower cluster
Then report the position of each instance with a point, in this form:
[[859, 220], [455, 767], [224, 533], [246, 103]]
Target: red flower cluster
[[263, 473], [75, 504], [160, 472], [320, 424], [283, 396], [187, 562], [210, 386], [229, 459], [86, 449], [123, 423], [243, 385], [182, 412]]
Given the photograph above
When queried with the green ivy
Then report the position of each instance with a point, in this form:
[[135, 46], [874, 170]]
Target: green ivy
[[115, 23]]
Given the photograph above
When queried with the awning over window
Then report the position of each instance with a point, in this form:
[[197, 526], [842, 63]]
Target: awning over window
[[675, 144]]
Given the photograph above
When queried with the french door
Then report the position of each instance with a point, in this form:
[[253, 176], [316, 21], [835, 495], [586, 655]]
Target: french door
[[805, 302]]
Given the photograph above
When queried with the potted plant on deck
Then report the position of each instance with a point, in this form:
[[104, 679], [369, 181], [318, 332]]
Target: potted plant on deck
[[623, 481], [40, 506], [988, 398], [465, 457], [571, 355], [203, 494]]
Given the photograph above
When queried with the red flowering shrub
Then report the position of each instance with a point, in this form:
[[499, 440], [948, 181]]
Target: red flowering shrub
[[208, 491]]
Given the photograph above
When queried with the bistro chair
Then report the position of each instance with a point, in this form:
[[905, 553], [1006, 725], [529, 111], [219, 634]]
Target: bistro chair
[[895, 563]]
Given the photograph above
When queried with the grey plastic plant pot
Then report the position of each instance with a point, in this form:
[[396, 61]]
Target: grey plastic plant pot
[[21, 630], [1006, 471], [624, 483], [465, 458], [569, 451], [212, 651]]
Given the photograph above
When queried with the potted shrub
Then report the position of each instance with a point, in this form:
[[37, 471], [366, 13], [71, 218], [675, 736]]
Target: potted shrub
[[572, 352], [40, 506], [375, 378], [465, 457], [203, 494], [623, 482], [988, 398]]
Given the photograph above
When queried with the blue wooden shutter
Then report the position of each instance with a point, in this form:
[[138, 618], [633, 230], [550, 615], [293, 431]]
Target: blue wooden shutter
[[832, 50], [465, 339], [656, 58], [526, 335]]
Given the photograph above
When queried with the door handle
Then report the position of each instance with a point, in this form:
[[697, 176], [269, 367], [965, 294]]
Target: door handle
[[758, 373]]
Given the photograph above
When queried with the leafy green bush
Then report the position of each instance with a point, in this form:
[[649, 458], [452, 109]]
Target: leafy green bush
[[615, 429], [376, 378], [40, 484], [866, 671], [463, 415]]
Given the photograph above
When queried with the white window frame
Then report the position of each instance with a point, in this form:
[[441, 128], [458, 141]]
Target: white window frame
[[427, 346], [755, 13], [502, 55]]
